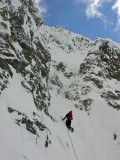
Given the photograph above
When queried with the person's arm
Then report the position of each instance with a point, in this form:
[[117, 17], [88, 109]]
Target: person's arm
[[64, 118]]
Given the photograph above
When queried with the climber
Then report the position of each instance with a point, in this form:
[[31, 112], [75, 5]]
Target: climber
[[69, 117]]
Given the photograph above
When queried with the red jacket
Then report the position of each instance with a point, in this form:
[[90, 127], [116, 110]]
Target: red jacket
[[69, 116]]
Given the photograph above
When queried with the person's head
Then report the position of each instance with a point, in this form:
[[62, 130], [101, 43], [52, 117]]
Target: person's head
[[70, 112]]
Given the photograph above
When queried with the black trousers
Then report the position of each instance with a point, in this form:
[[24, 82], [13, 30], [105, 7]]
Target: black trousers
[[68, 123]]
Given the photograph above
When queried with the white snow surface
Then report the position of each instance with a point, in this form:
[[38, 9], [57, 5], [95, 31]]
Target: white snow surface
[[93, 136]]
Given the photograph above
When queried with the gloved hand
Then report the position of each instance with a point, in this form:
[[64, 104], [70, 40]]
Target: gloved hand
[[62, 119]]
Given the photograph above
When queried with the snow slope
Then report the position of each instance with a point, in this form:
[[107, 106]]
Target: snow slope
[[96, 124], [93, 137]]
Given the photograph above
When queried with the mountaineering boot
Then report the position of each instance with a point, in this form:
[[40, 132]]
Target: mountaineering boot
[[71, 129]]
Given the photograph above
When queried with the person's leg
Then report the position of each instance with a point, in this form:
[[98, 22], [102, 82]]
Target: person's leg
[[68, 124]]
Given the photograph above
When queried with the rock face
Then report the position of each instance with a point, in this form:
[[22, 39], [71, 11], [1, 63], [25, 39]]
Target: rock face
[[96, 63], [102, 65], [22, 49], [22, 52], [107, 57], [55, 70]]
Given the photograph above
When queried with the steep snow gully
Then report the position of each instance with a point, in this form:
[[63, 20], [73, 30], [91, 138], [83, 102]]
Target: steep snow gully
[[44, 73]]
